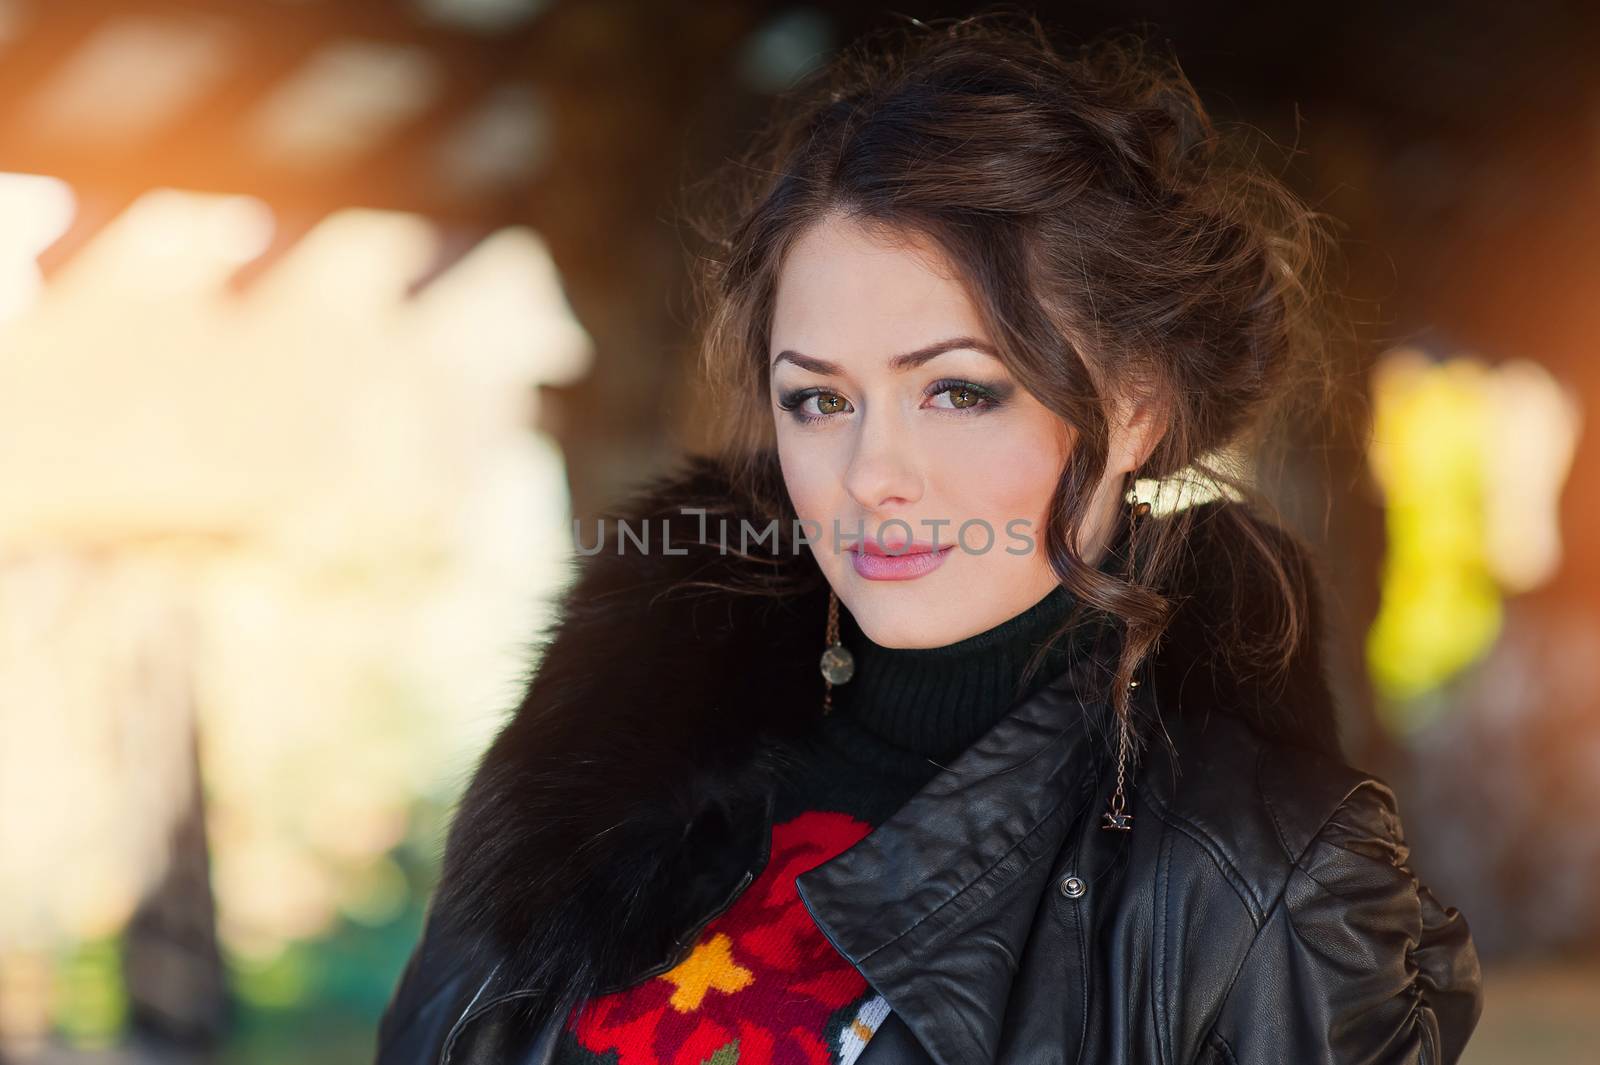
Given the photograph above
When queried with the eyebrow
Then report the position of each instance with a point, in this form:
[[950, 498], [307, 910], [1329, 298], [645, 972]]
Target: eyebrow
[[900, 363]]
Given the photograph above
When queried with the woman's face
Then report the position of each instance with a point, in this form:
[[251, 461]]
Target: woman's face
[[896, 424]]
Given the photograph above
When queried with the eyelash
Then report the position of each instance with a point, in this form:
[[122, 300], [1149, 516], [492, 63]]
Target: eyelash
[[991, 398]]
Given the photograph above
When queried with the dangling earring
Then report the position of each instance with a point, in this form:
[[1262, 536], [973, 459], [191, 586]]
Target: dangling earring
[[1117, 817], [838, 664]]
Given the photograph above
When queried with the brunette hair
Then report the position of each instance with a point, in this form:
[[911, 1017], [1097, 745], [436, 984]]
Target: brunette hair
[[1114, 239]]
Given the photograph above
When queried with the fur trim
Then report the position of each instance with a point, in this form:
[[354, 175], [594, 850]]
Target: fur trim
[[597, 827]]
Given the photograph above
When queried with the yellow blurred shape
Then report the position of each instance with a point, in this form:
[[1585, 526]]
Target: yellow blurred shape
[[1470, 460], [1535, 423]]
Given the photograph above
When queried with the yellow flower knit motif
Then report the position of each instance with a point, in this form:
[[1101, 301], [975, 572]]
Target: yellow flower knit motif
[[710, 966]]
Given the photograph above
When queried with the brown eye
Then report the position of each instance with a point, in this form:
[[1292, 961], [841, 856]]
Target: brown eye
[[829, 403], [961, 396]]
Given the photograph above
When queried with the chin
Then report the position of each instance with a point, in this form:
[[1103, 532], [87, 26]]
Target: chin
[[904, 623]]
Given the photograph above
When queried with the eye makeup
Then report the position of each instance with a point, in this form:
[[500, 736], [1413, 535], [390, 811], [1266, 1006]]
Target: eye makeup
[[989, 398]]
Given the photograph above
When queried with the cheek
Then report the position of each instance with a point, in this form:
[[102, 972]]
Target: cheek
[[816, 490], [1010, 471], [810, 477], [1017, 490]]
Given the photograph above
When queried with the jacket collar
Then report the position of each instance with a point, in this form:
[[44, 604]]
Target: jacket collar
[[625, 795], [907, 904]]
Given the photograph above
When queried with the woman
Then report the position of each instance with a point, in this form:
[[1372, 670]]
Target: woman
[[899, 728]]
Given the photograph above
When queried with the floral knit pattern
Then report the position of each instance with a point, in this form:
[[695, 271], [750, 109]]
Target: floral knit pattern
[[762, 984]]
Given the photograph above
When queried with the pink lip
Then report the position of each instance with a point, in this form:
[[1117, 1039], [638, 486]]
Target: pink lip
[[914, 560]]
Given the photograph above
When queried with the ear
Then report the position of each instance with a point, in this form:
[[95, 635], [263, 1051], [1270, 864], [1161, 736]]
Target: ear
[[1137, 426]]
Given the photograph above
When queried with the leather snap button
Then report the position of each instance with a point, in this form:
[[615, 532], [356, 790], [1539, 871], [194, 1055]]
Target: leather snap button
[[1072, 886]]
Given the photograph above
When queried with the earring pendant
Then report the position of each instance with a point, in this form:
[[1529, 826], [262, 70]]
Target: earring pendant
[[838, 665], [1117, 818]]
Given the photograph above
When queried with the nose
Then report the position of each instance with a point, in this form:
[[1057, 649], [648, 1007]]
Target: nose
[[881, 474]]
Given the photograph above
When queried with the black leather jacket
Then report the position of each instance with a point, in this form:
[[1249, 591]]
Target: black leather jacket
[[1260, 911]]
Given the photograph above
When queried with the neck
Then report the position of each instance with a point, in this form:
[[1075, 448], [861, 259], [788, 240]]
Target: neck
[[934, 702]]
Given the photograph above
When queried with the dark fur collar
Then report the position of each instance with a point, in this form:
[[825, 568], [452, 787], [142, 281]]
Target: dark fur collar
[[596, 828]]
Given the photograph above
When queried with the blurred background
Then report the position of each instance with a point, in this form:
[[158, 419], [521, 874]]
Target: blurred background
[[321, 320]]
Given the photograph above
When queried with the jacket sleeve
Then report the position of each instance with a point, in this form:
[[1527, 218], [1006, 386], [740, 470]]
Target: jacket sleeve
[[1358, 963]]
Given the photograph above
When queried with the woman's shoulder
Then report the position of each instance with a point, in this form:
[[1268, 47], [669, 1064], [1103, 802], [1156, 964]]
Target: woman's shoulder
[[1315, 851], [1258, 805]]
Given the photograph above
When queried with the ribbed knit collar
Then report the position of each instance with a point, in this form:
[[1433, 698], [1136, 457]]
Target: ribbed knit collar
[[934, 702]]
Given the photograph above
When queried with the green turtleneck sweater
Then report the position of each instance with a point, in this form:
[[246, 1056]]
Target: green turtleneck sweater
[[762, 982]]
